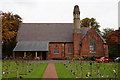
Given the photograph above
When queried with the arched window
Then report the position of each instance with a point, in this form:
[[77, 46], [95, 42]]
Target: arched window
[[70, 49], [92, 45], [56, 50]]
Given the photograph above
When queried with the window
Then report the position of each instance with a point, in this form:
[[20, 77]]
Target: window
[[92, 45], [70, 49], [56, 50]]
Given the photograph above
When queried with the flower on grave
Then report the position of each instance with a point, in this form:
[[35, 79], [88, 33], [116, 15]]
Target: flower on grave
[[114, 71], [3, 72], [88, 74]]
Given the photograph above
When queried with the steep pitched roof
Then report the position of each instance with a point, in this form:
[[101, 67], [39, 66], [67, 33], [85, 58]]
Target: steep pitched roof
[[85, 31], [101, 37], [52, 32]]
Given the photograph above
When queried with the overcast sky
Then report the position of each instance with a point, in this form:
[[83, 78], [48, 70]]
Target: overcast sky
[[61, 11]]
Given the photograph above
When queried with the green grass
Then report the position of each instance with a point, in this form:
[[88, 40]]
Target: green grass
[[0, 70], [62, 72], [25, 70], [38, 72], [38, 69], [105, 70]]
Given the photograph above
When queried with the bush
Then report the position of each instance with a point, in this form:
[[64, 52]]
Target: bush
[[93, 58], [57, 58]]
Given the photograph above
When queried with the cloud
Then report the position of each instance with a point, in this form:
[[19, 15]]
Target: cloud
[[25, 2], [19, 2], [53, 11], [119, 14]]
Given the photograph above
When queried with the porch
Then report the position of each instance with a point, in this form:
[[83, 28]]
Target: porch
[[38, 55], [31, 49]]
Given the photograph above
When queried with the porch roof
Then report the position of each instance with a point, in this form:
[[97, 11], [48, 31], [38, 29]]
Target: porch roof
[[32, 46]]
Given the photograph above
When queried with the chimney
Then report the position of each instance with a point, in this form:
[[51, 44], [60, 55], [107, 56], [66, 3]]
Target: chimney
[[77, 35], [76, 20]]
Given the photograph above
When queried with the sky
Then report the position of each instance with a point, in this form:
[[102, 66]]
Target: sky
[[119, 14], [61, 11]]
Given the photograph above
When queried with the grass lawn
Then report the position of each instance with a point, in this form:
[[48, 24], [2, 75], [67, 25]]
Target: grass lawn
[[62, 72], [24, 70], [38, 72], [0, 70], [97, 70]]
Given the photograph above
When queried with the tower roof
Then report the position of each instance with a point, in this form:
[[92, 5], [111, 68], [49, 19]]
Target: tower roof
[[76, 10]]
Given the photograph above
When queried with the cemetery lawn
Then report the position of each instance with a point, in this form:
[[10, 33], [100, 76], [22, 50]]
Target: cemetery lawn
[[98, 70], [38, 72], [24, 70], [0, 70], [62, 72]]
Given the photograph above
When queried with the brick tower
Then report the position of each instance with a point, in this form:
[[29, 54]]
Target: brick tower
[[77, 34]]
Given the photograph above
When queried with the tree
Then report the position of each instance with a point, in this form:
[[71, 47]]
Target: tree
[[10, 25], [106, 31], [90, 22]]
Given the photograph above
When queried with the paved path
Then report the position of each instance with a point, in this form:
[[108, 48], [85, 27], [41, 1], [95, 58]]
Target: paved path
[[50, 72]]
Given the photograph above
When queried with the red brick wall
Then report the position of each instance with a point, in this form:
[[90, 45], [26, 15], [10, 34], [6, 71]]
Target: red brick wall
[[85, 51], [66, 50], [63, 50], [106, 50], [76, 43], [101, 48]]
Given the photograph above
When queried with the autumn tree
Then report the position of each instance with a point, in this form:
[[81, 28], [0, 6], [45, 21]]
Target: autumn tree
[[90, 22], [10, 25]]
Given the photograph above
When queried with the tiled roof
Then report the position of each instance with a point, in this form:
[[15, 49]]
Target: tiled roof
[[32, 46], [52, 32]]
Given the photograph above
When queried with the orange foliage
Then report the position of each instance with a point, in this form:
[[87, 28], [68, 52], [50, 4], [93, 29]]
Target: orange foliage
[[10, 24]]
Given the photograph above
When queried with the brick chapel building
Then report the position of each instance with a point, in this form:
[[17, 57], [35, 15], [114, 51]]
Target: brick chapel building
[[58, 40]]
